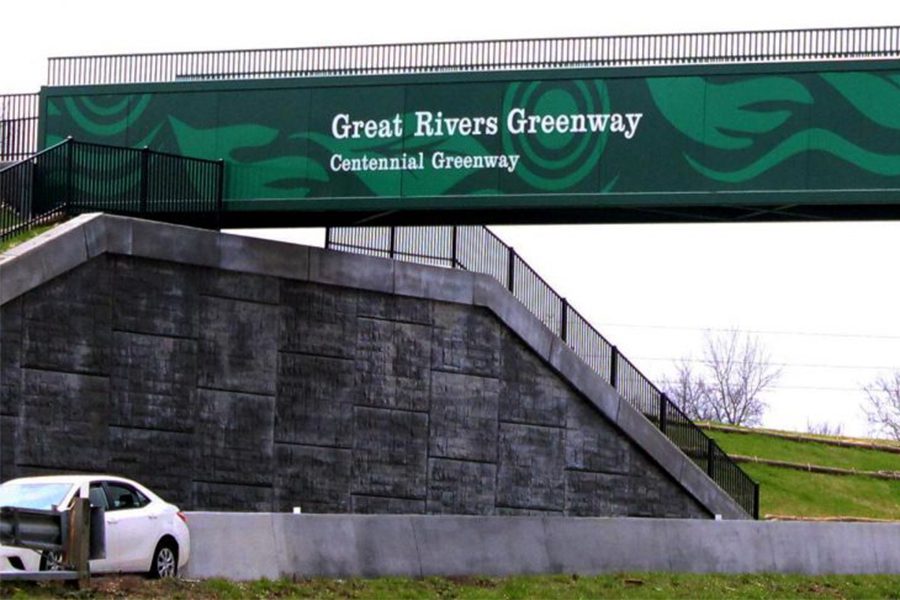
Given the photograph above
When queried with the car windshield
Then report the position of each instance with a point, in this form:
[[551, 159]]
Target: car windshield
[[45, 496]]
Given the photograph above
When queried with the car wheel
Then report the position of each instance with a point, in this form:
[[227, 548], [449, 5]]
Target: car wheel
[[165, 560], [51, 561]]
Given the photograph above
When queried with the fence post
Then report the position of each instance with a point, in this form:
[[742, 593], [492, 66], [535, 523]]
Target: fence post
[[453, 260], [563, 318], [328, 238], [663, 417], [145, 167], [710, 452], [78, 545], [70, 167], [220, 193], [756, 501], [511, 270], [613, 366], [392, 241]]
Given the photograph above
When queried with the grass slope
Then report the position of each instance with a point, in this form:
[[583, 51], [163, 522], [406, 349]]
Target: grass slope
[[23, 237], [790, 492], [634, 585]]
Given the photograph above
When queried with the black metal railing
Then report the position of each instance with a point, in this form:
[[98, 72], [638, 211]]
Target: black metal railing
[[623, 50], [18, 126], [74, 177], [476, 248]]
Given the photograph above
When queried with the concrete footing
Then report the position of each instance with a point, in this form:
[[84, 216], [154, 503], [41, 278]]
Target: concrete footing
[[244, 546]]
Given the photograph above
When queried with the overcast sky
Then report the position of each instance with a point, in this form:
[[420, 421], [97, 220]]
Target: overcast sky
[[823, 298]]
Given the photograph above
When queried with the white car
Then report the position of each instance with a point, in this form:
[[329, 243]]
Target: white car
[[144, 533]]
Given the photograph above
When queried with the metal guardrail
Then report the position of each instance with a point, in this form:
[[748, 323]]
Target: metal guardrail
[[74, 177], [77, 535], [621, 50], [476, 248], [18, 126]]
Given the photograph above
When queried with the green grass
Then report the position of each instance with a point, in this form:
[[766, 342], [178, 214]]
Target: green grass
[[785, 491], [797, 493], [862, 459], [550, 587], [23, 237]]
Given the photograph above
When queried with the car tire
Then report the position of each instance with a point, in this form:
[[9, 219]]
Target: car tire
[[51, 561], [165, 560]]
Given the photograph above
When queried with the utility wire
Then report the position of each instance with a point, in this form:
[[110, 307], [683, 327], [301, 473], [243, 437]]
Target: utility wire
[[870, 336], [791, 365]]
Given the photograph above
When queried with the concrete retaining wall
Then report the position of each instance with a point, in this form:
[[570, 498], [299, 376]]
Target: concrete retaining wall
[[266, 375], [287, 545]]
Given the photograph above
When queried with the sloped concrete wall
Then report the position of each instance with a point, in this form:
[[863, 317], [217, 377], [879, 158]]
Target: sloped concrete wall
[[236, 374]]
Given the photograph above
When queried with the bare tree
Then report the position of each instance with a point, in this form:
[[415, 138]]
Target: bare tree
[[883, 406], [687, 390], [728, 386], [824, 428]]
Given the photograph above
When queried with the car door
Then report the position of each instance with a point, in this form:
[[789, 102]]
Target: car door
[[131, 528]]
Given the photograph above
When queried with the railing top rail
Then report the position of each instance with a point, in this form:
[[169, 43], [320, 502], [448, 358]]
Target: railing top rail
[[485, 41], [36, 155], [412, 57], [144, 149]]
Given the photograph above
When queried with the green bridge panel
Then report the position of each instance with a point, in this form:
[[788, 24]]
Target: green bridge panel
[[766, 141]]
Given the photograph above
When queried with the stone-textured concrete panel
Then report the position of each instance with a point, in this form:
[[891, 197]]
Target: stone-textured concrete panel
[[11, 358], [315, 479], [381, 505], [592, 444], [64, 420], [153, 382], [163, 458], [394, 308], [233, 438], [239, 286], [314, 403], [317, 320], [463, 417], [390, 453], [8, 427], [461, 487], [465, 341], [232, 496], [531, 393], [155, 297], [238, 345], [67, 324], [530, 473], [392, 364]]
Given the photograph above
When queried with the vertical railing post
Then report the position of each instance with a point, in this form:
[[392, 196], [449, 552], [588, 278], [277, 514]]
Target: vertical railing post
[[511, 270], [613, 366], [663, 417], [70, 172], [563, 318], [453, 260], [392, 241], [710, 452], [328, 238], [220, 193], [755, 500], [145, 167]]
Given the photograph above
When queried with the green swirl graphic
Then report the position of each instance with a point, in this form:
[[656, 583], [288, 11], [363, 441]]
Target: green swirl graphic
[[556, 161], [805, 141], [725, 116], [92, 125]]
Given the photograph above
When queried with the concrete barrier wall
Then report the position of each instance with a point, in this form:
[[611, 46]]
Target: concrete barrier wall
[[244, 546]]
